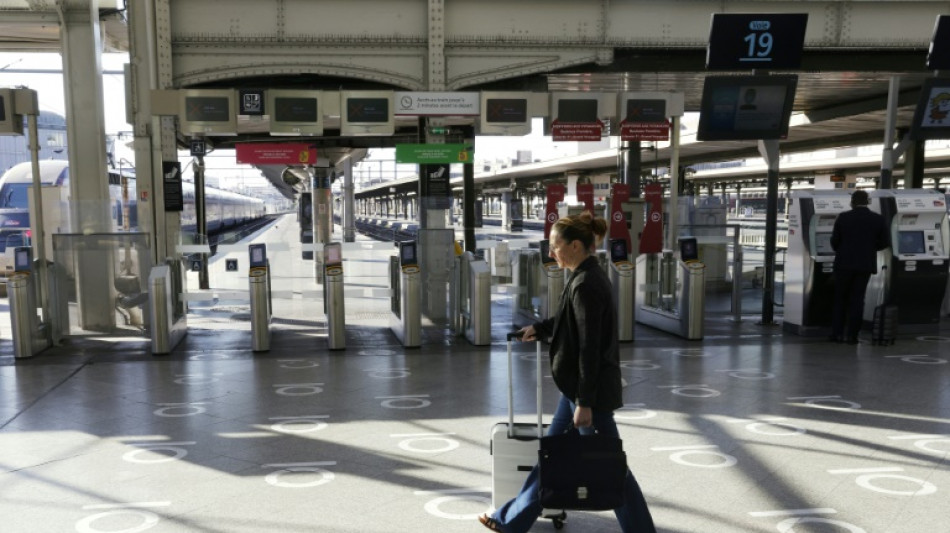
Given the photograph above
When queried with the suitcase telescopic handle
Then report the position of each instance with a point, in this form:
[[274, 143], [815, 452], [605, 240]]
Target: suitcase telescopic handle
[[511, 395]]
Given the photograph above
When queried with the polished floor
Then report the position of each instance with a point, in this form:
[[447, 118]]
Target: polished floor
[[749, 430]]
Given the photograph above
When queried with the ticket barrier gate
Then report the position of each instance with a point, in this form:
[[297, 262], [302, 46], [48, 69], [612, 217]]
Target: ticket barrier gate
[[260, 292], [166, 310], [30, 336], [333, 296], [621, 274], [539, 281], [405, 280], [671, 293], [473, 302]]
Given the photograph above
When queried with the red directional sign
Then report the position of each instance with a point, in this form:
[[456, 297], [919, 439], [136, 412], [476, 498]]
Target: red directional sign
[[645, 131], [577, 131], [276, 153]]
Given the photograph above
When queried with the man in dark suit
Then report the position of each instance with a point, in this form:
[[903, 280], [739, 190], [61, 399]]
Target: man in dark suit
[[857, 236]]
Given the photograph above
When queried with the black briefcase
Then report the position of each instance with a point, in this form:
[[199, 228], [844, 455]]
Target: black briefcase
[[581, 472]]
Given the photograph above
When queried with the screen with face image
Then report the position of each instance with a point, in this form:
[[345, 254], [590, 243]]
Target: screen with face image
[[618, 250]]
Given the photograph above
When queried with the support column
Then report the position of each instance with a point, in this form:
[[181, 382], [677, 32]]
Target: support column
[[349, 207], [88, 185]]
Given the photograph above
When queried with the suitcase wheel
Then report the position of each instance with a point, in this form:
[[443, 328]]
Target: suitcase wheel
[[558, 521]]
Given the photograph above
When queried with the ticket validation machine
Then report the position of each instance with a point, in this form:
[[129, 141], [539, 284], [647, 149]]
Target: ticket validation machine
[[671, 290], [621, 277], [809, 265], [540, 282], [406, 282], [333, 296], [916, 272], [29, 335], [259, 289]]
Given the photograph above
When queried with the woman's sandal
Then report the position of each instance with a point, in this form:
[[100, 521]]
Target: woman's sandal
[[489, 522]]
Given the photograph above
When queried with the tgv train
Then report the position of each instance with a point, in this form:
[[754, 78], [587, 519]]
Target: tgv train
[[224, 209]]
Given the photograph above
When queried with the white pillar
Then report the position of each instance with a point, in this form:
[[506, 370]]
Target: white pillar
[[88, 183]]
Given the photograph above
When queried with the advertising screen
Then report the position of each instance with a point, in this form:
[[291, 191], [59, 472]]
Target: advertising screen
[[932, 116], [737, 108]]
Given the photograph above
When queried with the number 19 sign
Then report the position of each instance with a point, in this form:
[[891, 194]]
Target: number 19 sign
[[750, 41]]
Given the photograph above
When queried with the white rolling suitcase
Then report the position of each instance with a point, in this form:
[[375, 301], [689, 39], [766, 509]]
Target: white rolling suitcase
[[514, 448]]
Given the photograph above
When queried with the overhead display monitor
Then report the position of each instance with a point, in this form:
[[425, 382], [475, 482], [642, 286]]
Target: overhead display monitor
[[504, 113], [576, 110], [739, 41], [740, 108], [10, 122], [932, 116], [295, 112], [208, 111], [366, 113], [938, 57]]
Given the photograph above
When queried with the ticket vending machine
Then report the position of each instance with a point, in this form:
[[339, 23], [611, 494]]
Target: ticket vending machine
[[913, 272], [809, 265], [406, 300], [29, 335], [333, 296], [259, 289], [621, 277]]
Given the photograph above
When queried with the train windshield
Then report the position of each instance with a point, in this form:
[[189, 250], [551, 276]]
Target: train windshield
[[13, 195]]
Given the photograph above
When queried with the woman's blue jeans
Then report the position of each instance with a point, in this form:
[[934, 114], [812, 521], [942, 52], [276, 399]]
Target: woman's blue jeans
[[519, 514]]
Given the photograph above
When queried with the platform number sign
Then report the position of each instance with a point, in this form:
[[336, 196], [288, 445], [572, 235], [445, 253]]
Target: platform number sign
[[754, 41]]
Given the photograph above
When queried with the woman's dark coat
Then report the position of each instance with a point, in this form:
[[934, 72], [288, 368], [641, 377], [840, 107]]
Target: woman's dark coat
[[585, 357]]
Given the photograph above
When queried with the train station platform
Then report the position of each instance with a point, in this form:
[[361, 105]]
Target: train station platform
[[748, 430]]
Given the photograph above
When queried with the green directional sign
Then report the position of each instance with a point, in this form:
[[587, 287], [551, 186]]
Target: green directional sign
[[425, 154]]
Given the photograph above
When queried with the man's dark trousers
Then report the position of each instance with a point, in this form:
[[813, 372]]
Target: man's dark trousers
[[849, 291]]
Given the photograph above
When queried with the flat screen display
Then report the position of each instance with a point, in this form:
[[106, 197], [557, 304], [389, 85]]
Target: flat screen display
[[407, 253], [207, 109], [618, 250], [688, 249], [823, 244], [506, 110], [516, 213], [3, 109], [370, 110], [295, 109], [739, 108], [910, 242], [258, 255], [333, 254], [576, 110], [22, 259], [646, 110], [932, 115]]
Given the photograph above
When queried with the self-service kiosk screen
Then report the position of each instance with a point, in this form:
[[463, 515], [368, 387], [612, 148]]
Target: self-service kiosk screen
[[618, 250], [258, 255], [910, 242], [688, 249], [333, 254], [407, 253], [22, 260], [823, 244]]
